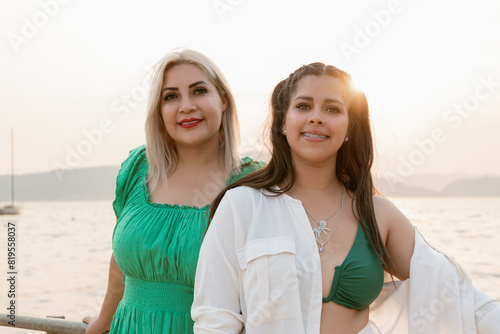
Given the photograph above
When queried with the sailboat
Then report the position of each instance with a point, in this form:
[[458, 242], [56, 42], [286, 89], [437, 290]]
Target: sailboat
[[11, 209]]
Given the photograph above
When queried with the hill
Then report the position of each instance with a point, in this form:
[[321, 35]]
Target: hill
[[79, 184], [99, 184]]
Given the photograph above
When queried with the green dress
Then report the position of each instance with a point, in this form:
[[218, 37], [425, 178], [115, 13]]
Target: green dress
[[156, 246]]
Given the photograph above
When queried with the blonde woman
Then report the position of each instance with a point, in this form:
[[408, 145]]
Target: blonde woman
[[163, 193]]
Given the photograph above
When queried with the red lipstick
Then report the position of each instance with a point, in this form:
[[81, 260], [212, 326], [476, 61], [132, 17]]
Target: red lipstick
[[189, 122]]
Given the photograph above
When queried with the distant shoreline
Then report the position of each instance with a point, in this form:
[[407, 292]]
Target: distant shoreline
[[98, 183]]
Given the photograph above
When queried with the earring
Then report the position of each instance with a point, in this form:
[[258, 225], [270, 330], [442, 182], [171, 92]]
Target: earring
[[283, 130], [346, 139], [221, 137]]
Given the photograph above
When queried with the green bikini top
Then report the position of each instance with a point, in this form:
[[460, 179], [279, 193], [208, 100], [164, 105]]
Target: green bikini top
[[358, 280]]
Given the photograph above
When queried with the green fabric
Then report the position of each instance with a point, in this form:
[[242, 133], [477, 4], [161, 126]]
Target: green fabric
[[156, 246], [357, 282]]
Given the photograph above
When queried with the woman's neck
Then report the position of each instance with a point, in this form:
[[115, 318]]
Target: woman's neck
[[198, 156], [196, 180], [315, 177]]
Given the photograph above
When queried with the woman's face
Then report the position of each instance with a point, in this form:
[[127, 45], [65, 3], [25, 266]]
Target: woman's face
[[191, 106], [316, 121]]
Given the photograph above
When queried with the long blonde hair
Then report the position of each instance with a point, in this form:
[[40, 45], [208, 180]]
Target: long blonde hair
[[160, 148]]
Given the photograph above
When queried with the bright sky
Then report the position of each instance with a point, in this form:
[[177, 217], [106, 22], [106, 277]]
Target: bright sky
[[72, 70]]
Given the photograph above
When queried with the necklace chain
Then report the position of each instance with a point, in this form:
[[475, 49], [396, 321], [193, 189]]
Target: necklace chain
[[322, 228]]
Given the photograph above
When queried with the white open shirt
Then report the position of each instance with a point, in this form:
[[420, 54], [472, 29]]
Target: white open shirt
[[259, 271]]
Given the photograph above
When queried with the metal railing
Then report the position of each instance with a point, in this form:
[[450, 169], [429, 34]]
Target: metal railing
[[49, 325]]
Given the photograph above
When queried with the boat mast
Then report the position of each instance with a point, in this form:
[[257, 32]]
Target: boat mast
[[12, 165]]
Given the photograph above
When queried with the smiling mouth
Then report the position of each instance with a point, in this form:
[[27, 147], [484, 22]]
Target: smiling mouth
[[311, 135], [190, 123]]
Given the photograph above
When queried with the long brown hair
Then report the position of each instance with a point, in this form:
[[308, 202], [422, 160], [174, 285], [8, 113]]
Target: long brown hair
[[354, 158]]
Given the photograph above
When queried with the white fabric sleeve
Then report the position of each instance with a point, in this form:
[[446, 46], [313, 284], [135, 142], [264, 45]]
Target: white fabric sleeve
[[216, 307], [487, 313], [438, 298]]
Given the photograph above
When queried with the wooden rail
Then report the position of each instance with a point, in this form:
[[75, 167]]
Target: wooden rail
[[49, 325]]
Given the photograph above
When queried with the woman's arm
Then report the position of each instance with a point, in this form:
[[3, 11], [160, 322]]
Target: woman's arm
[[441, 293], [399, 235], [114, 293], [216, 307]]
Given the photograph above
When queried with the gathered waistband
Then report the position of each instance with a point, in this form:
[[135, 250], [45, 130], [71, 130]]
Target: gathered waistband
[[151, 296]]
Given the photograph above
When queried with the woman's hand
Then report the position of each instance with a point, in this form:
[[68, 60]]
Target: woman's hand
[[95, 326], [114, 293]]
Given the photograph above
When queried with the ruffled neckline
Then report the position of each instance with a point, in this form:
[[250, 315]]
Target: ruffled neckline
[[143, 177]]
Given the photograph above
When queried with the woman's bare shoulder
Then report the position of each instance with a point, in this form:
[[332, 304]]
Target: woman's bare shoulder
[[385, 209]]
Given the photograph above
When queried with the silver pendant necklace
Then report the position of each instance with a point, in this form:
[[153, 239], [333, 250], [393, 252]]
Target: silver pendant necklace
[[322, 228]]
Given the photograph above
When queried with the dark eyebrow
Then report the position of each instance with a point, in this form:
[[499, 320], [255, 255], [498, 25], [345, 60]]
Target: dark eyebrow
[[190, 86], [334, 101], [197, 83], [302, 97], [308, 98]]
